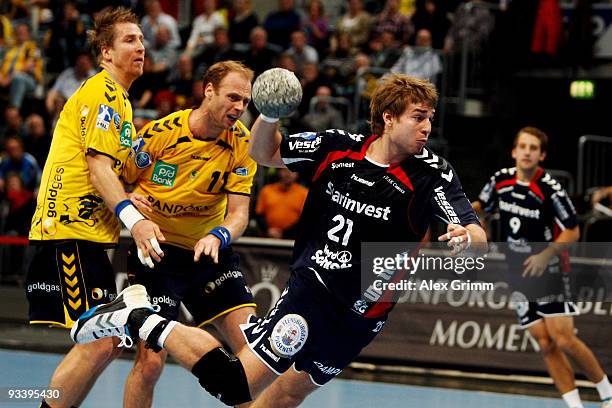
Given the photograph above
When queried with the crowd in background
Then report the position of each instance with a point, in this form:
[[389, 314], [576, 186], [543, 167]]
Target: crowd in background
[[44, 59]]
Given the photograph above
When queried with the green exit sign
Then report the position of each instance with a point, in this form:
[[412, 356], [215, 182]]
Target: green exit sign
[[582, 89]]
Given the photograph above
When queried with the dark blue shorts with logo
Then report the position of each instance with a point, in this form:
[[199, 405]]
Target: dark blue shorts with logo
[[308, 328], [207, 290], [65, 279]]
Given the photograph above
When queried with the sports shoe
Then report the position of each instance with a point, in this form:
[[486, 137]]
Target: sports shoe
[[110, 319], [607, 403]]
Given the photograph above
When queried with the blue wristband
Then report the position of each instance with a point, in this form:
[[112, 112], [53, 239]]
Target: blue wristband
[[223, 234], [121, 206]]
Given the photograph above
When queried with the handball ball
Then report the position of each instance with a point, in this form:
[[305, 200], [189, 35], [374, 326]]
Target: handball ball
[[277, 92]]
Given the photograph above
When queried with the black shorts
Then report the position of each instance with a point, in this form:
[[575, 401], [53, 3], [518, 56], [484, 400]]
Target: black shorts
[[206, 289], [67, 278], [309, 329], [529, 313]]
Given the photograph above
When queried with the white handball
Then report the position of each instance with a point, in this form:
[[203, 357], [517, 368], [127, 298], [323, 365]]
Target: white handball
[[277, 92]]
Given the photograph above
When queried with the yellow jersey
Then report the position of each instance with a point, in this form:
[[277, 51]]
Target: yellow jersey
[[98, 117], [186, 180]]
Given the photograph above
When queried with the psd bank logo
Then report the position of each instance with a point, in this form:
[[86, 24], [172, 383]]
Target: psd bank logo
[[164, 173]]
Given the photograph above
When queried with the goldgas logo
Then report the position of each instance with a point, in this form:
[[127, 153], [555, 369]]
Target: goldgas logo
[[125, 137], [164, 173]]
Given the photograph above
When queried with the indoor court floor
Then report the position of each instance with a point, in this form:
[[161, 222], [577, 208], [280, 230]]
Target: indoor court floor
[[178, 388]]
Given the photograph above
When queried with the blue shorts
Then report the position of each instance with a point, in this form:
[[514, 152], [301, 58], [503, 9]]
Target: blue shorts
[[308, 328], [207, 290]]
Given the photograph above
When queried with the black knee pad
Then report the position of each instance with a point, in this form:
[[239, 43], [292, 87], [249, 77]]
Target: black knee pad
[[223, 376]]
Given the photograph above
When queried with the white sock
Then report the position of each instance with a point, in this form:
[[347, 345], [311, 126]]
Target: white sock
[[604, 389], [164, 334], [148, 325], [572, 399]]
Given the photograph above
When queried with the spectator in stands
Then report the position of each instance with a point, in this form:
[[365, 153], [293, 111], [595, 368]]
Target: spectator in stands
[[219, 50], [68, 82], [287, 62], [242, 21], [356, 23], [203, 28], [281, 23], [279, 205], [21, 204], [260, 56], [311, 79], [420, 61], [384, 50], [21, 68], [548, 29], [163, 54], [392, 20], [6, 34], [37, 139], [301, 52], [164, 103], [323, 115], [316, 27], [155, 18], [13, 124], [431, 16], [16, 160], [146, 86], [472, 23], [66, 38], [181, 81]]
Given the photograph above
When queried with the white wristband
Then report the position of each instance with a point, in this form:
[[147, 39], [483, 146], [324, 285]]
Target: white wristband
[[130, 216], [267, 118]]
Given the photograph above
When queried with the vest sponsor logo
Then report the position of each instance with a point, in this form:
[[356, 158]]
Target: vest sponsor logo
[[105, 115], [289, 335], [164, 173], [356, 206], [308, 143], [518, 210]]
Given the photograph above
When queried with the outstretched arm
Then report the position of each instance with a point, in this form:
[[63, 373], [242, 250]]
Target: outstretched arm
[[265, 143]]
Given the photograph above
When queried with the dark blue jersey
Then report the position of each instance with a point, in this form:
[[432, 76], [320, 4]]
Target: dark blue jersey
[[353, 200], [529, 212]]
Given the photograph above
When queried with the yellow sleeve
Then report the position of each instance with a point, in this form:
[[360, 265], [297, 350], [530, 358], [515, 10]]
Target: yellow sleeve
[[106, 129], [240, 179]]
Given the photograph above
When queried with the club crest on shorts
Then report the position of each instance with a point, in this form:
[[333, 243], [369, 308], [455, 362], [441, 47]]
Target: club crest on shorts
[[289, 335]]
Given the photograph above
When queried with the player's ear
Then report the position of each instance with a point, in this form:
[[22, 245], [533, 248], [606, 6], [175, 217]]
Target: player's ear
[[209, 90], [514, 152], [387, 117]]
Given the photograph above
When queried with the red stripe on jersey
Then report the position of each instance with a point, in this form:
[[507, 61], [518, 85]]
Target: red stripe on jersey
[[379, 309], [401, 175], [533, 186], [505, 183], [337, 155]]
